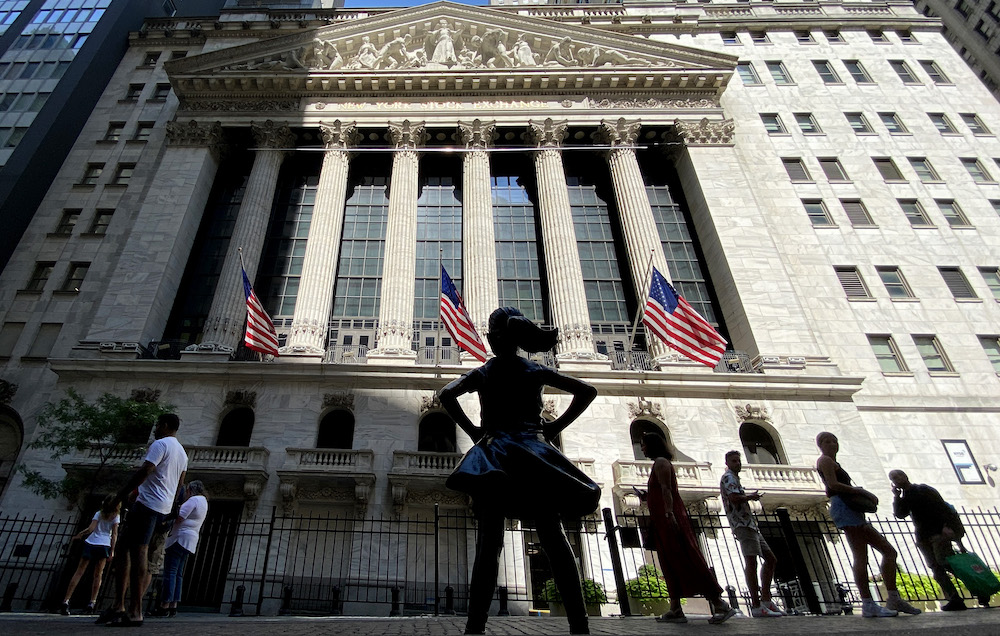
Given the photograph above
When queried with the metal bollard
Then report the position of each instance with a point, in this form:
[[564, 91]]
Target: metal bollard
[[395, 602], [845, 606], [503, 602], [236, 609], [286, 601], [335, 600], [733, 600], [786, 593], [449, 600], [8, 597]]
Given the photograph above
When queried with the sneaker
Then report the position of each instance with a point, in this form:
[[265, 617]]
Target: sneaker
[[90, 609], [765, 612], [773, 607], [64, 608], [898, 604], [954, 605], [871, 609]]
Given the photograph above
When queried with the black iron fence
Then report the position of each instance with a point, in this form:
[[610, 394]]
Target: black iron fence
[[328, 564]]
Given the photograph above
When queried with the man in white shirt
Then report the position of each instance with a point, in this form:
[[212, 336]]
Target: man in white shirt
[[157, 482]]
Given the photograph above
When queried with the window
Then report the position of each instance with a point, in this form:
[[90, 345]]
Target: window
[[957, 283], [151, 58], [759, 37], [160, 92], [858, 72], [779, 73], [991, 346], [933, 355], [67, 222], [851, 281], [952, 213], [44, 340], [7, 101], [818, 215], [236, 427], [92, 173], [934, 72], [907, 37], [833, 36], [772, 123], [903, 70], [102, 218], [996, 205], [730, 37], [805, 37], [74, 277], [808, 124], [942, 123], [133, 92], [976, 170], [887, 168], [826, 72], [436, 434], [877, 36], [893, 124], [123, 174], [9, 335], [16, 135], [975, 124], [887, 354], [915, 213], [40, 275], [114, 131], [336, 430], [859, 123], [747, 73], [894, 283], [832, 169], [925, 171], [143, 130], [992, 277], [796, 169], [758, 444], [857, 213]]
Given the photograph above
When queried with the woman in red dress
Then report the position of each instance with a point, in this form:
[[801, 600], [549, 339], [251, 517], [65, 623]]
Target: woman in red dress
[[683, 565]]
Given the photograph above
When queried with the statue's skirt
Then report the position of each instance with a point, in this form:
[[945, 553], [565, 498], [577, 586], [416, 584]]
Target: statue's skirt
[[524, 477]]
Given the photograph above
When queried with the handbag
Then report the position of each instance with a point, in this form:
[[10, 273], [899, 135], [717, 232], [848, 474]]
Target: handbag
[[859, 502], [971, 570]]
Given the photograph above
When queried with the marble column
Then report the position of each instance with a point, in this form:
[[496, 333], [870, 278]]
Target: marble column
[[395, 314], [567, 296], [224, 326], [642, 240], [319, 265], [479, 254]]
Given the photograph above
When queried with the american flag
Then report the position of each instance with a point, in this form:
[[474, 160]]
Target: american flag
[[260, 334], [456, 319], [677, 324]]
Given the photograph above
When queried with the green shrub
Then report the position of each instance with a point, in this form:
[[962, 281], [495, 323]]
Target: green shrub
[[923, 586], [648, 585], [593, 593]]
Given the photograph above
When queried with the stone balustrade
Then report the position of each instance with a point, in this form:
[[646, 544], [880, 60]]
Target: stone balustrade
[[802, 482], [424, 463], [328, 460]]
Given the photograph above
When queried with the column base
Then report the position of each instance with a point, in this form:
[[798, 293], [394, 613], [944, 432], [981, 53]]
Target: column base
[[583, 361], [392, 356], [207, 352], [301, 355]]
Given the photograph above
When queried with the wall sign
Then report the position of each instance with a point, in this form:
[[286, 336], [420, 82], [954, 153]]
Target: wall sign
[[963, 461]]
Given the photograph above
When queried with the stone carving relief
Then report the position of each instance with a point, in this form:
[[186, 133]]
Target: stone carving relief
[[653, 102], [750, 412], [339, 400], [429, 403], [618, 133], [145, 395], [271, 135], [549, 408], [706, 132], [7, 391], [339, 136], [242, 398], [478, 135], [194, 133], [241, 106], [642, 407]]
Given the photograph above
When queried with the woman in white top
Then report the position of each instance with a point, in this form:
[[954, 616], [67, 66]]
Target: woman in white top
[[99, 547], [181, 544]]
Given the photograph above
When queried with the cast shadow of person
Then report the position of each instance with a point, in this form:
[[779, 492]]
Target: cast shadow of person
[[504, 472]]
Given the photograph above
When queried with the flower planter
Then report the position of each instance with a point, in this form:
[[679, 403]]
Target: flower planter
[[648, 606], [559, 609]]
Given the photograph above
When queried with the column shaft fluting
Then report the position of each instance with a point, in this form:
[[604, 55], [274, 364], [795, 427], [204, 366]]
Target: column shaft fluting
[[479, 276]]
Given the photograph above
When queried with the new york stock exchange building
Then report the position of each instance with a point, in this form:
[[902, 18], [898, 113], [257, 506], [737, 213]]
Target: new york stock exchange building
[[818, 180]]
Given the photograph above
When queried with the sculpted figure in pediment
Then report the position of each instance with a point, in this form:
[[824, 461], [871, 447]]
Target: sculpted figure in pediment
[[493, 51], [596, 56], [395, 55], [367, 54], [522, 53], [561, 54], [321, 55], [439, 44]]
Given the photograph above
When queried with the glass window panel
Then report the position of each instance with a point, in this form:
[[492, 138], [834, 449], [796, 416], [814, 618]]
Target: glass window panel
[[886, 354], [895, 284], [859, 123]]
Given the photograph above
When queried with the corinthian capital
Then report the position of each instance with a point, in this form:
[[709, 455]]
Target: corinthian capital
[[339, 136], [407, 135], [193, 133], [478, 135], [548, 133], [618, 133], [705, 132], [272, 135]]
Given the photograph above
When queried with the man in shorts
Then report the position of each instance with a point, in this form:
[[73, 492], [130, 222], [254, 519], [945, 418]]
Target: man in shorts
[[735, 500]]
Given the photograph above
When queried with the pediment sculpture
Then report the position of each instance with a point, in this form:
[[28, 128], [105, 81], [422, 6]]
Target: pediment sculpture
[[444, 45]]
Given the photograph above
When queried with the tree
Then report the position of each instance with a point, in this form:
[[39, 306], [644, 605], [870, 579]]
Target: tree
[[111, 430]]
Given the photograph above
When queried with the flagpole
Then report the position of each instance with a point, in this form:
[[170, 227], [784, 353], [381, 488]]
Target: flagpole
[[437, 349], [642, 304]]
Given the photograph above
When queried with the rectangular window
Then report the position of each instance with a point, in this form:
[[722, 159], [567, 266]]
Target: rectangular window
[[907, 37], [933, 354], [887, 354], [9, 335], [996, 205], [818, 215], [957, 283], [102, 219], [858, 72], [934, 72], [826, 72], [915, 213], [952, 213], [772, 123], [877, 36], [67, 222], [16, 135], [991, 346], [40, 275], [730, 37], [747, 73], [975, 124], [903, 70], [92, 173], [976, 170], [859, 123], [808, 124], [133, 92], [150, 58], [832, 169], [160, 92], [942, 123], [895, 284], [833, 36], [887, 168], [992, 277], [759, 37], [143, 130], [796, 169], [805, 37], [779, 73], [925, 171], [74, 277], [850, 279], [44, 340], [857, 213], [123, 174], [893, 124], [114, 131]]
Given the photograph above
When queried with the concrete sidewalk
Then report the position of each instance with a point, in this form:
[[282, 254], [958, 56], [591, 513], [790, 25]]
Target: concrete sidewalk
[[973, 622]]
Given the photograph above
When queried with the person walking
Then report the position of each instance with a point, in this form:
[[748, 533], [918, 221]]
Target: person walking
[[513, 470], [935, 526], [684, 568], [99, 547], [736, 502], [181, 544], [860, 534]]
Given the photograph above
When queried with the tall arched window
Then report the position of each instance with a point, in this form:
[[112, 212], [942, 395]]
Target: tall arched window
[[759, 446], [436, 434], [336, 430], [236, 427], [640, 428]]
